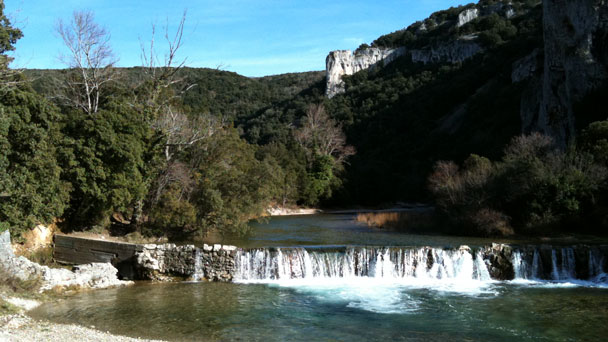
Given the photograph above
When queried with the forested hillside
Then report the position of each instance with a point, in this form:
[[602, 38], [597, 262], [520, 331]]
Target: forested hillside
[[171, 150]]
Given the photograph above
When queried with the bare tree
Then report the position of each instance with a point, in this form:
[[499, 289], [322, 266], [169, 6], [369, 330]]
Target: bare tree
[[182, 132], [90, 55], [320, 134], [161, 71]]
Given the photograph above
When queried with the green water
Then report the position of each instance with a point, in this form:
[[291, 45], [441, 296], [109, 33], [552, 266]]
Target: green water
[[338, 229], [345, 309], [238, 312]]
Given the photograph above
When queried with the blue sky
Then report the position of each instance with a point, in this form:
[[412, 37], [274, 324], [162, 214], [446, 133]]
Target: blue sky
[[253, 38]]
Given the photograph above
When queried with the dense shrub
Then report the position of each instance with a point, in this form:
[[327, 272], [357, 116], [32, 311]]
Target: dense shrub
[[534, 187], [31, 191]]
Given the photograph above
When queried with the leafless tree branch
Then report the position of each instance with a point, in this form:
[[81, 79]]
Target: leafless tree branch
[[90, 55]]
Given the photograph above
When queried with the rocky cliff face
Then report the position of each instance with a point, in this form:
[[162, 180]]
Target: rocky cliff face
[[572, 64], [454, 52], [466, 16], [343, 62]]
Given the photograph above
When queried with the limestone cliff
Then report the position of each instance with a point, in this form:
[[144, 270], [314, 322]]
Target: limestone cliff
[[453, 52], [572, 62], [574, 32], [344, 62], [466, 16]]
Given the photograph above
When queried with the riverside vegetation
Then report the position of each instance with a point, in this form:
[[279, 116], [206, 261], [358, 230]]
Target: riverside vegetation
[[166, 150]]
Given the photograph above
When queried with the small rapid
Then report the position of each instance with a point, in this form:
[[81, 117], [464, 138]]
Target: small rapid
[[566, 266], [420, 265], [353, 262]]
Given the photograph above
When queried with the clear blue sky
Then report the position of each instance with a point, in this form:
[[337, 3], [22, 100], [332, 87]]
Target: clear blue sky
[[253, 38]]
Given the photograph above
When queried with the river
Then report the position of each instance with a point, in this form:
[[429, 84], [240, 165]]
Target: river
[[320, 281]]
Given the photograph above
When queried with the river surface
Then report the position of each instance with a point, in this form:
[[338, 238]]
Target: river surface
[[360, 293], [339, 230]]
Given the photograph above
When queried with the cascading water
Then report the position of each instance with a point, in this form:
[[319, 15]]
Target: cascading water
[[415, 265], [558, 264], [198, 268], [380, 263]]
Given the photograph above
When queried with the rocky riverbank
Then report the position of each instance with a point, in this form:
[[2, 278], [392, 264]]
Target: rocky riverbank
[[21, 328], [16, 326], [94, 275]]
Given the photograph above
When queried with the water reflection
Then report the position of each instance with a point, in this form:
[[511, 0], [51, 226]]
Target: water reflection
[[338, 229]]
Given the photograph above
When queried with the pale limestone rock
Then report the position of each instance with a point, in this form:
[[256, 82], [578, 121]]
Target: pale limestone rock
[[466, 16], [168, 261], [229, 248], [344, 62], [6, 250], [95, 275]]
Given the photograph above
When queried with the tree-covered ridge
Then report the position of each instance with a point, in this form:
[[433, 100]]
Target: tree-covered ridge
[[179, 151], [492, 25], [158, 149], [217, 92], [405, 115]]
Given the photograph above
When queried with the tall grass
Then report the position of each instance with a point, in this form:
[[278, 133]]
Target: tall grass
[[404, 221]]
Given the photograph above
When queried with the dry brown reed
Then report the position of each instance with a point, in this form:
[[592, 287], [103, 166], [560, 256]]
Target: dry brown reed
[[410, 221]]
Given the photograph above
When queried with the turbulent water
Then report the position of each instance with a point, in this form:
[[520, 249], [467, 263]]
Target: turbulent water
[[377, 263], [418, 265], [534, 293]]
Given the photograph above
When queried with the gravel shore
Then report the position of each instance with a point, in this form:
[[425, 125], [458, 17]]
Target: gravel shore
[[21, 328]]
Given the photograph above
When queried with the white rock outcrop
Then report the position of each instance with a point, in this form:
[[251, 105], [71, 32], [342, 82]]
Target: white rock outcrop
[[343, 62], [96, 275], [466, 16]]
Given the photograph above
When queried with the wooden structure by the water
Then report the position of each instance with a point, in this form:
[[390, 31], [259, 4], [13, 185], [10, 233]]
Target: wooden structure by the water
[[74, 250]]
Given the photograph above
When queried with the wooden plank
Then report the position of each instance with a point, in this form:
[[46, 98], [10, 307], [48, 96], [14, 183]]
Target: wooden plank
[[75, 250]]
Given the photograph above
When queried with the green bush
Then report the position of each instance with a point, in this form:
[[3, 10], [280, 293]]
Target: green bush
[[534, 188], [31, 189]]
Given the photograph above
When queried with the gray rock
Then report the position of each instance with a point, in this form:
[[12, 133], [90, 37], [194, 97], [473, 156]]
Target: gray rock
[[6, 250], [573, 65], [525, 68], [343, 62], [166, 262], [466, 16], [97, 275], [454, 52]]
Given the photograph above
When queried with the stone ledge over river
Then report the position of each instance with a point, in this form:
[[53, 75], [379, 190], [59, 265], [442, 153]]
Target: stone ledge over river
[[226, 263], [162, 262]]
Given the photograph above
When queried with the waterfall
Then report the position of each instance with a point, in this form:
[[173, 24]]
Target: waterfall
[[561, 264], [198, 268], [422, 264], [373, 262]]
